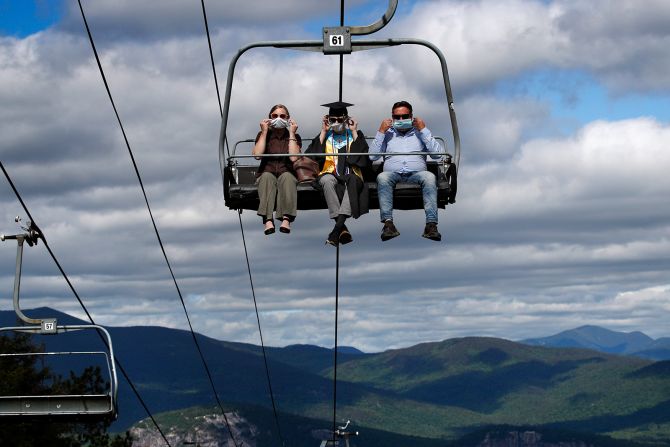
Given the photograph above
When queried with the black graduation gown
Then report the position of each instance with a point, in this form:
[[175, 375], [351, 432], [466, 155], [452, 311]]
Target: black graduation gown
[[358, 190]]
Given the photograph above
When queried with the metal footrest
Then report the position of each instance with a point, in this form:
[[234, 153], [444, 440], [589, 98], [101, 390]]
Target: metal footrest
[[95, 405]]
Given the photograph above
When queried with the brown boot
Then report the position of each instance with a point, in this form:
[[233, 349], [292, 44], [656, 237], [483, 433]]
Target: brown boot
[[430, 232], [389, 231]]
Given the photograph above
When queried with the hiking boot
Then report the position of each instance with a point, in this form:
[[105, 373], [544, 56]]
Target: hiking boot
[[345, 236], [389, 231], [430, 232], [333, 238]]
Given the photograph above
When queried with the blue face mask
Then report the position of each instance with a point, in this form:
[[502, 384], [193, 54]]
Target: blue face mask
[[402, 124]]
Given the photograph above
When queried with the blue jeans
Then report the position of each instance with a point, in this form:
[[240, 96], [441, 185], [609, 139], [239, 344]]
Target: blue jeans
[[386, 183]]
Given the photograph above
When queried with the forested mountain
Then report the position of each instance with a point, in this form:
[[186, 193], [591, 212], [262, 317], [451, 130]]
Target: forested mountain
[[439, 390]]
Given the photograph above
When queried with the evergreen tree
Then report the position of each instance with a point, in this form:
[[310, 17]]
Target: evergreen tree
[[26, 376]]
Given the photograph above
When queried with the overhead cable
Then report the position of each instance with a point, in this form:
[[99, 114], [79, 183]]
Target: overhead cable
[[153, 222], [81, 303], [246, 253], [258, 319], [337, 266]]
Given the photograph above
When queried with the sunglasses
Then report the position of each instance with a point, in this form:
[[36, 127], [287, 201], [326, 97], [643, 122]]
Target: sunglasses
[[402, 117], [339, 119], [279, 115]]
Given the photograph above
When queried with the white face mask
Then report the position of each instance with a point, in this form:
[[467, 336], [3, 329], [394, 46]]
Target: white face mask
[[337, 127], [278, 123]]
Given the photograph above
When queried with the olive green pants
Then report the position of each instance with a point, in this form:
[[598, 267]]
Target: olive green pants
[[283, 190]]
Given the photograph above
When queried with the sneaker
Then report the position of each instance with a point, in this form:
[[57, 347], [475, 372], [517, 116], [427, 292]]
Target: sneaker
[[389, 231], [345, 236], [430, 232], [333, 238]]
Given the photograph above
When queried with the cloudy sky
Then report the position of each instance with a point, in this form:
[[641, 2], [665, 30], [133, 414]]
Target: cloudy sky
[[562, 217]]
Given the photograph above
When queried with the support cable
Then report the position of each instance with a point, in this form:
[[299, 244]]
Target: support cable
[[81, 303], [153, 222], [337, 266], [211, 56], [244, 242], [337, 296], [260, 332]]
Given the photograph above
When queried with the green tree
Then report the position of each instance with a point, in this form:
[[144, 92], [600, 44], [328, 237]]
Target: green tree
[[26, 375]]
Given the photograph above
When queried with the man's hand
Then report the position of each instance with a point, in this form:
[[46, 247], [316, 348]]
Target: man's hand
[[385, 125], [418, 123]]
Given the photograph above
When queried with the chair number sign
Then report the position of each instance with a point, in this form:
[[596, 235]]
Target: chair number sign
[[49, 326], [336, 40]]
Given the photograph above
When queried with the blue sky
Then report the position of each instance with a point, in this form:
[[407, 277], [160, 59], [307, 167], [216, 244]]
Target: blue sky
[[22, 18], [578, 96], [561, 218]]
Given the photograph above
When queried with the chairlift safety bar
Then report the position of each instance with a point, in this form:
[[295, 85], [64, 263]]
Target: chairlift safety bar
[[111, 367], [303, 154]]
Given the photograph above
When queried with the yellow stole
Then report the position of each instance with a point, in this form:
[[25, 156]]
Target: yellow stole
[[330, 165]]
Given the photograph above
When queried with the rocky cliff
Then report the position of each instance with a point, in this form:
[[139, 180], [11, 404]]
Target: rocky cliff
[[204, 431], [525, 439]]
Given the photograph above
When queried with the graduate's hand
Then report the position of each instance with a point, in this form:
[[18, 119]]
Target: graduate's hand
[[265, 125], [353, 125], [418, 123], [324, 124], [385, 125]]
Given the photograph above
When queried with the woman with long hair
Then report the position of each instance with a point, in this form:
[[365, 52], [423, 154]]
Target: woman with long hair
[[275, 177]]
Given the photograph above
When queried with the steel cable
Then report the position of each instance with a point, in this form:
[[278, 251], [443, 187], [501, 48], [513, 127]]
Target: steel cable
[[246, 253], [153, 222], [81, 303]]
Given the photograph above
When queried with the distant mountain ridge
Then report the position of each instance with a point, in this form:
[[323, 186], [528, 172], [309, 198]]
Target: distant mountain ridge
[[433, 391], [604, 340]]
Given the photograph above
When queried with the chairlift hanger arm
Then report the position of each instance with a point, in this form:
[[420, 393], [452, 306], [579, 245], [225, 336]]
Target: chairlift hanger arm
[[20, 238], [379, 24]]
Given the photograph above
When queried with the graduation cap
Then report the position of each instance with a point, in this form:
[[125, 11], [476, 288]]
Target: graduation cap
[[337, 108]]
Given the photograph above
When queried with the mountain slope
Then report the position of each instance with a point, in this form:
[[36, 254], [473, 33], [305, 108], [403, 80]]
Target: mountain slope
[[431, 390]]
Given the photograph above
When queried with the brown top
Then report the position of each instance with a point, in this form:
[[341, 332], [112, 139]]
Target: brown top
[[276, 142]]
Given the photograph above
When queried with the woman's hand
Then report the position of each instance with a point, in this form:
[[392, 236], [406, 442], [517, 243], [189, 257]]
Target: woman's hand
[[292, 126], [259, 147], [293, 147]]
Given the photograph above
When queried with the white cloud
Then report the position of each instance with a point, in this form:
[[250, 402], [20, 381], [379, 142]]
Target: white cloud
[[608, 172], [549, 231], [624, 43]]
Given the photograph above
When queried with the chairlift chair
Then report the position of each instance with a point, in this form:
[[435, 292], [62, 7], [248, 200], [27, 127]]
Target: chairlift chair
[[240, 190], [92, 407]]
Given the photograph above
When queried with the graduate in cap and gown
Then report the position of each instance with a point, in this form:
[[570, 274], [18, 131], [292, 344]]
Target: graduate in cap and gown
[[340, 176]]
